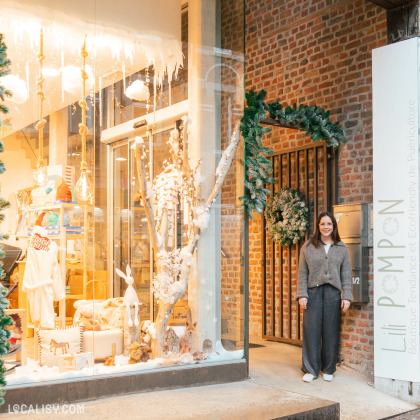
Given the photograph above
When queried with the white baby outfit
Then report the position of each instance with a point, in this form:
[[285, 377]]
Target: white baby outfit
[[42, 278]]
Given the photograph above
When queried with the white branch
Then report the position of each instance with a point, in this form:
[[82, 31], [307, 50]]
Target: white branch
[[145, 195], [164, 228], [228, 156], [192, 243]]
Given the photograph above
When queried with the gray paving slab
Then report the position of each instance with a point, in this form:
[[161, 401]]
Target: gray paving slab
[[275, 389]]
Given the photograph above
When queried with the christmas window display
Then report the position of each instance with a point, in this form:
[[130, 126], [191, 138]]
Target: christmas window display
[[129, 221]]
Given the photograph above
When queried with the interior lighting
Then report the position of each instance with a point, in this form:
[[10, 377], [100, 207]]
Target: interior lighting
[[84, 189], [40, 175]]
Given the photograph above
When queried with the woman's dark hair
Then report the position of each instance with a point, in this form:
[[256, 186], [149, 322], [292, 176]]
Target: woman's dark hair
[[316, 238]]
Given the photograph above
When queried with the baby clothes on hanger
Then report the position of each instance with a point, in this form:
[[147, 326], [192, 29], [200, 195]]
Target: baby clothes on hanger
[[42, 278]]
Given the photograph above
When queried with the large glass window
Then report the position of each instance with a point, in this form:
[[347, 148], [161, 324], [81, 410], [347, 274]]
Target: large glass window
[[147, 271]]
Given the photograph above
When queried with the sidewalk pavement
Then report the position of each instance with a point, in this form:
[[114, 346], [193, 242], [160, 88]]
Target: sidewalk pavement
[[275, 389]]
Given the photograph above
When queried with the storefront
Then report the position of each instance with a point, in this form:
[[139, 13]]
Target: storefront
[[124, 172]]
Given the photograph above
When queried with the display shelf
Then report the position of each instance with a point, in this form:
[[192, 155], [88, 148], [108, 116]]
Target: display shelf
[[75, 297]]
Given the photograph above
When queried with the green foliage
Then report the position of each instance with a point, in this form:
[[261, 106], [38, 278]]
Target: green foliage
[[4, 69], [314, 120], [4, 303], [258, 167], [287, 217]]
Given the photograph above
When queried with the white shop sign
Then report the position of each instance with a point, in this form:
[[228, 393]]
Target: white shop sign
[[396, 210]]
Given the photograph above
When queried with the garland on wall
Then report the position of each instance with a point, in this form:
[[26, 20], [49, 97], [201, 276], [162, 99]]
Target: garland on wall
[[4, 303], [287, 217], [314, 120]]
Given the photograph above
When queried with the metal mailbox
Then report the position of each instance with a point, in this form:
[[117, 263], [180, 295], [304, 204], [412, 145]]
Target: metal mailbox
[[353, 227]]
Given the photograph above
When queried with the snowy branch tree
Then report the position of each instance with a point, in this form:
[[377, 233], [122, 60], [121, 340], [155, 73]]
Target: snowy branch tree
[[178, 181]]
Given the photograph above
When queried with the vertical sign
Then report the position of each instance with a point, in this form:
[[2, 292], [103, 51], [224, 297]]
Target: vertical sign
[[396, 210]]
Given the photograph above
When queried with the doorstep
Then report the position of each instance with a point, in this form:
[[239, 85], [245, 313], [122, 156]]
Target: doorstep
[[102, 386]]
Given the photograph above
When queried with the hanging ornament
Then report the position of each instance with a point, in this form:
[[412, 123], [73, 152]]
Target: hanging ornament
[[83, 190], [40, 175], [17, 86], [138, 91], [71, 79]]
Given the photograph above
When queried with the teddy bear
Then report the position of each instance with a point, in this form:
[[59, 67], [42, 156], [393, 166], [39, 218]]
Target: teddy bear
[[138, 353], [109, 361], [89, 324]]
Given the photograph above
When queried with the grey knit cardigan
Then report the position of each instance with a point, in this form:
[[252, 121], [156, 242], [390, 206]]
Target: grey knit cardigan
[[316, 267]]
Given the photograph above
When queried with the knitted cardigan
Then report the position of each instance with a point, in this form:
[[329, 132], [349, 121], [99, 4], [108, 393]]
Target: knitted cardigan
[[316, 267]]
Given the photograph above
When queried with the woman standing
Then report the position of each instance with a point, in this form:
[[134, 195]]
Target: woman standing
[[324, 286]]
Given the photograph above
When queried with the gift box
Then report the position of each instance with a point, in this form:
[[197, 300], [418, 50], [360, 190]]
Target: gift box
[[66, 362]]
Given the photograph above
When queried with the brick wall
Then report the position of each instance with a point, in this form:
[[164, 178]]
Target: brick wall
[[319, 52]]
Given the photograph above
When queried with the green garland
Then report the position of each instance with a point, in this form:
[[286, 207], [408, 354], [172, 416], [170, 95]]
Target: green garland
[[314, 120], [4, 303], [287, 217]]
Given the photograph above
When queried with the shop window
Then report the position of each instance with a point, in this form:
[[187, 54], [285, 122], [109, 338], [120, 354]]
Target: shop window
[[75, 322]]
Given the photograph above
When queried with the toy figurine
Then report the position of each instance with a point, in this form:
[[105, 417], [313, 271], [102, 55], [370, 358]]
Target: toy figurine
[[130, 297]]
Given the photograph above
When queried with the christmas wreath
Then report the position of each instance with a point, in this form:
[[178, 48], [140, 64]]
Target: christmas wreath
[[287, 217]]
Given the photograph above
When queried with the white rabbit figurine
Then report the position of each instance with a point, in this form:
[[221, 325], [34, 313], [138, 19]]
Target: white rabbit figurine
[[130, 296]]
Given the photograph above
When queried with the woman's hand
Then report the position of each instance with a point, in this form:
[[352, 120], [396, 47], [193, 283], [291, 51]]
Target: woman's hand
[[345, 304], [303, 301]]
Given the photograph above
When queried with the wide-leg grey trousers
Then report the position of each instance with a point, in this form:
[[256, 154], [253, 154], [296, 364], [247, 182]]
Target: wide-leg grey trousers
[[321, 330]]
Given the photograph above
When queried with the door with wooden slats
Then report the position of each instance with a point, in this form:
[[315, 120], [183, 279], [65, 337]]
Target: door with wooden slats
[[310, 170]]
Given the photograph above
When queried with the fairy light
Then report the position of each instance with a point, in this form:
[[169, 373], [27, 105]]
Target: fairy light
[[40, 175]]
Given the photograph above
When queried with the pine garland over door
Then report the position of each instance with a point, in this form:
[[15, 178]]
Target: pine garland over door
[[315, 121]]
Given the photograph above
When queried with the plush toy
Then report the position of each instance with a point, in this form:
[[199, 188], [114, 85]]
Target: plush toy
[[110, 361], [63, 192], [186, 341], [130, 297], [53, 219], [40, 219], [89, 324], [138, 353]]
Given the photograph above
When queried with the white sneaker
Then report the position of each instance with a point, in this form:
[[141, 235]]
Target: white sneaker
[[327, 377], [307, 377]]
